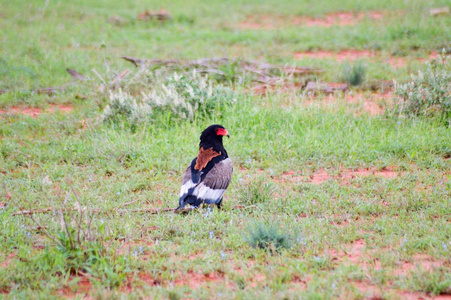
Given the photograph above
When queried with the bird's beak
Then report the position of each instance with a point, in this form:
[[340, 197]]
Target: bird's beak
[[223, 132]]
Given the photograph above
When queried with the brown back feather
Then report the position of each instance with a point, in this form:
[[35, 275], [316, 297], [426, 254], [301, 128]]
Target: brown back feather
[[204, 157]]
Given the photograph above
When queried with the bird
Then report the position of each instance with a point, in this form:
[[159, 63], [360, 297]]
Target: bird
[[209, 174]]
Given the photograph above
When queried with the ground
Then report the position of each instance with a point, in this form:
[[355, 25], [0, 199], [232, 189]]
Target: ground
[[362, 192]]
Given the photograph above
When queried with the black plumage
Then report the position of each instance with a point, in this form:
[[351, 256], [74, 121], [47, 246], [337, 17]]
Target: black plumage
[[209, 174]]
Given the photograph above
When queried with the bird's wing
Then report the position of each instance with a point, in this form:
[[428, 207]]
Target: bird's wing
[[220, 175], [212, 187], [187, 183]]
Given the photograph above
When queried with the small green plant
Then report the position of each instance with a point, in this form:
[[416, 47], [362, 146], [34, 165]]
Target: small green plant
[[258, 191], [173, 295], [436, 282], [354, 75], [429, 92], [269, 237], [78, 248], [184, 96]]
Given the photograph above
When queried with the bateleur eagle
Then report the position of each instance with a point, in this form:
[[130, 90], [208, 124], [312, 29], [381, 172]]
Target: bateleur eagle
[[209, 174]]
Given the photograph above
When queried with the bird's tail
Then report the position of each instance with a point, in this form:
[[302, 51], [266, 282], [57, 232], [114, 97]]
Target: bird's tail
[[189, 199]]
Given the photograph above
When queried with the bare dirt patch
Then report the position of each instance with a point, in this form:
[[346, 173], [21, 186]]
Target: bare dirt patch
[[266, 22], [34, 112], [299, 283], [374, 103], [372, 291], [195, 280], [343, 55], [338, 19], [145, 279], [344, 176], [83, 288], [8, 260], [261, 22], [351, 55], [419, 261], [357, 254], [354, 253]]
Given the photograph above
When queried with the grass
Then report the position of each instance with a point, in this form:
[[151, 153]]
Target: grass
[[354, 75], [279, 143]]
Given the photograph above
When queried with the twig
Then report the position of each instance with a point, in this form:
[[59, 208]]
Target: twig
[[75, 75], [134, 61], [43, 228], [119, 77], [128, 203], [100, 77], [64, 222], [151, 211], [80, 220], [213, 63], [34, 211], [49, 90], [84, 274]]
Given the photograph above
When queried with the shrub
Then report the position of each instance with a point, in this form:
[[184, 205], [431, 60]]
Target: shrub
[[354, 75], [185, 96], [269, 237], [428, 93], [123, 105]]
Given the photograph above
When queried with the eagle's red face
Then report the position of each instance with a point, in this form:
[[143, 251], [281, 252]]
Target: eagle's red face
[[222, 131]]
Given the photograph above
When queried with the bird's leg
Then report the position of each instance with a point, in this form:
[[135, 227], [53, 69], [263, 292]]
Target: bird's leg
[[184, 210], [219, 204]]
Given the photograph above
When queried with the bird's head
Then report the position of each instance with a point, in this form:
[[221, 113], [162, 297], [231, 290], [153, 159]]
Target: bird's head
[[213, 133]]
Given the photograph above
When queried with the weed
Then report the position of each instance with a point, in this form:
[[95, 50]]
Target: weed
[[269, 237], [172, 295], [436, 282], [77, 249], [354, 75], [429, 92]]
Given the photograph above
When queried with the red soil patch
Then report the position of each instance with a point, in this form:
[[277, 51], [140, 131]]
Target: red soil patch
[[144, 277], [147, 279], [421, 261], [372, 103], [339, 19], [353, 255], [260, 22], [254, 22], [195, 280], [33, 112], [352, 55], [371, 291], [322, 175], [83, 288], [338, 56], [8, 260], [299, 283], [356, 253]]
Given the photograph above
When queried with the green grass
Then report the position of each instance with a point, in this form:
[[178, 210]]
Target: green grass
[[277, 142]]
